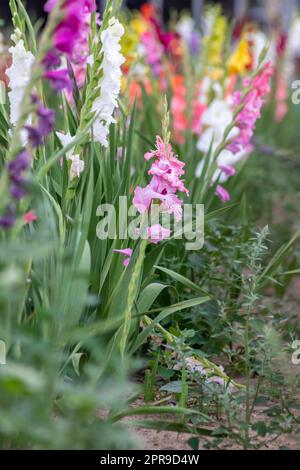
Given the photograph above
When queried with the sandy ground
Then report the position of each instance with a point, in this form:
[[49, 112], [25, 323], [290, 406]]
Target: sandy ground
[[149, 439]]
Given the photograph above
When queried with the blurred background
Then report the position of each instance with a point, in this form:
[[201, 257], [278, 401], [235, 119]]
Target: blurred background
[[262, 11]]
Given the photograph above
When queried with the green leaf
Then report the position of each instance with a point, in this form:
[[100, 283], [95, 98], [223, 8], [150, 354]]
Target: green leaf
[[76, 358], [164, 314], [277, 258], [183, 280], [149, 295]]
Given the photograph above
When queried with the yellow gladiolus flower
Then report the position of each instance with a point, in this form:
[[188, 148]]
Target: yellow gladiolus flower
[[240, 59], [214, 43], [138, 25], [129, 43]]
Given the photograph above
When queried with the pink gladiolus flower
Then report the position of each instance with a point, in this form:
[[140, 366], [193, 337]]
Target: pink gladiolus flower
[[156, 233], [127, 252], [222, 193], [252, 103], [167, 166], [281, 99], [178, 108], [228, 170], [154, 51], [166, 171], [29, 217]]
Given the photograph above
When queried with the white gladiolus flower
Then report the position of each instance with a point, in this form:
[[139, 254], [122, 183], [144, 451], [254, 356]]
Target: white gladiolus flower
[[19, 76], [259, 40], [65, 139], [77, 166], [293, 45], [110, 84], [217, 117], [185, 27]]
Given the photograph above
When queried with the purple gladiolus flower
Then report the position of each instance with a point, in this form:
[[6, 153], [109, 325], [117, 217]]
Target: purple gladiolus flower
[[7, 221], [16, 169], [51, 59], [17, 191], [46, 119], [59, 79], [19, 164], [194, 43], [34, 136]]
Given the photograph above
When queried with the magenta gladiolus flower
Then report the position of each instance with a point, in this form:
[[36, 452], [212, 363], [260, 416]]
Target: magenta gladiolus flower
[[222, 193], [68, 38], [127, 252], [69, 29]]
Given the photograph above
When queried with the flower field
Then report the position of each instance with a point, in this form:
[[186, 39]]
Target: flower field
[[149, 230]]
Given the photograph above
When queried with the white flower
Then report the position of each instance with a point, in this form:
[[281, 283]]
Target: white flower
[[195, 366], [217, 117], [65, 139], [90, 60], [185, 27], [110, 84], [19, 76], [259, 40], [77, 166], [218, 114], [293, 42]]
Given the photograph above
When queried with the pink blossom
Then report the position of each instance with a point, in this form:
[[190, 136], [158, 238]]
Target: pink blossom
[[222, 193], [167, 166], [166, 171], [179, 108], [251, 111], [127, 252], [228, 170], [281, 99], [154, 51], [156, 233], [29, 217]]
